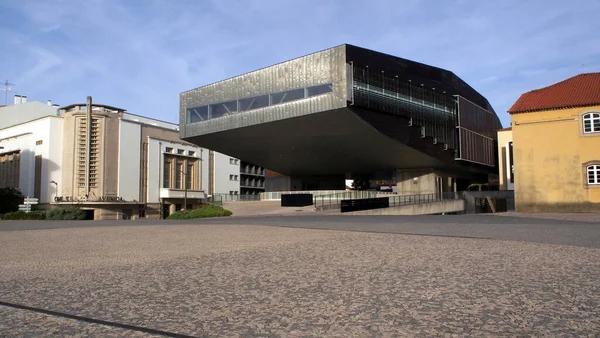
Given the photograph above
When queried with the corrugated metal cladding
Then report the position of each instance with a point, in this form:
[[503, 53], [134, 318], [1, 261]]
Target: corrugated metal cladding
[[327, 66], [477, 133]]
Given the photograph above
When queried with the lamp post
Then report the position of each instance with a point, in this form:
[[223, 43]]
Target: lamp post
[[56, 193]]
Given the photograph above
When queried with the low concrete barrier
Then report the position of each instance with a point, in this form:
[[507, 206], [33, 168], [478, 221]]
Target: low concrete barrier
[[440, 207]]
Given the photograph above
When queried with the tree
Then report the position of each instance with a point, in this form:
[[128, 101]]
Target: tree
[[10, 198]]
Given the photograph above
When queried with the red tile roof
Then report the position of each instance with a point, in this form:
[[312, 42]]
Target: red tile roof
[[579, 91]]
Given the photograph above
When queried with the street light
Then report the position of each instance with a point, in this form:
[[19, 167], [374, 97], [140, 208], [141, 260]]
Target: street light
[[55, 194]]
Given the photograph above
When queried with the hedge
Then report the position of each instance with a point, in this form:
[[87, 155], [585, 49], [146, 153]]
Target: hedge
[[206, 211], [22, 215], [68, 213]]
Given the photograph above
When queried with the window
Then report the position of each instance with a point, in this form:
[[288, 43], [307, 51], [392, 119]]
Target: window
[[168, 150], [39, 142], [591, 123], [178, 170], [593, 174], [191, 153], [290, 95], [231, 177], [167, 173], [254, 102], [318, 90], [189, 174], [235, 177], [180, 151], [236, 162], [197, 114], [222, 109]]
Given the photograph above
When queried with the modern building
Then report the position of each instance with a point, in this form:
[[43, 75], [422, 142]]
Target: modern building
[[556, 146], [111, 163], [346, 112]]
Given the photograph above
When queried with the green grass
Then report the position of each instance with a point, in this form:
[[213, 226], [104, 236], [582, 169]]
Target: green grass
[[206, 211]]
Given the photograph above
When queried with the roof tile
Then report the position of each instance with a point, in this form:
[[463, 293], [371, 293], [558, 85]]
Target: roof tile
[[578, 91]]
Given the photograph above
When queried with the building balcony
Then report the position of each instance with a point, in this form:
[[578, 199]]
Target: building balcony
[[180, 193]]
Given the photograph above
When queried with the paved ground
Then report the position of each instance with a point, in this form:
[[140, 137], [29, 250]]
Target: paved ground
[[224, 278]]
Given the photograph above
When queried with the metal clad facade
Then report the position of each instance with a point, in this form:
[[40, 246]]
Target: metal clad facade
[[328, 66], [477, 133]]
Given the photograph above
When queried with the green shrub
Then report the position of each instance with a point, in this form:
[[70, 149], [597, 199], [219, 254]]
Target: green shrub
[[22, 215], [10, 198], [205, 211], [67, 213]]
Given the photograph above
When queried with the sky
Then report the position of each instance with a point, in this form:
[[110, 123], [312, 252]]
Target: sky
[[140, 55]]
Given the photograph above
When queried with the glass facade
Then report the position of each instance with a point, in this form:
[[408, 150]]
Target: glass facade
[[213, 111], [434, 111]]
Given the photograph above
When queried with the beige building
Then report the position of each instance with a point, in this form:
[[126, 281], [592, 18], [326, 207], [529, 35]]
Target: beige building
[[108, 162]]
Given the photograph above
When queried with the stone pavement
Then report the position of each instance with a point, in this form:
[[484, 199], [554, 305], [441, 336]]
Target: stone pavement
[[219, 280]]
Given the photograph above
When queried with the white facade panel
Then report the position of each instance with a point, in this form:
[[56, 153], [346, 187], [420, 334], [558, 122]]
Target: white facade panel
[[156, 150], [42, 137], [130, 135], [16, 114], [227, 174]]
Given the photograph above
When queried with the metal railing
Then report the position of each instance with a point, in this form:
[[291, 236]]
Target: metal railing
[[334, 201], [423, 198], [220, 198]]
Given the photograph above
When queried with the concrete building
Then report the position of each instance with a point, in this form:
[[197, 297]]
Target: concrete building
[[348, 112], [506, 170], [108, 162], [556, 142]]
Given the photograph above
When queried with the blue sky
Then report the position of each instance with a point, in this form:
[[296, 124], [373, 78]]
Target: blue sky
[[139, 55]]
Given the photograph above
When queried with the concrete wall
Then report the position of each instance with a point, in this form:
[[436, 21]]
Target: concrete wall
[[416, 209], [223, 170], [16, 114], [47, 132], [550, 155], [130, 135], [422, 181]]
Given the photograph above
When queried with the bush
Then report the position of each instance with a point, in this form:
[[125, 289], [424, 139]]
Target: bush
[[68, 213], [205, 211], [10, 198], [22, 215]]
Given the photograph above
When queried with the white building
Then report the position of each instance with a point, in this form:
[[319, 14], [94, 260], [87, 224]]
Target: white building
[[113, 164]]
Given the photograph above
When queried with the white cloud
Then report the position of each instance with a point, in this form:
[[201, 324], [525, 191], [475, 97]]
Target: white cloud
[[141, 55]]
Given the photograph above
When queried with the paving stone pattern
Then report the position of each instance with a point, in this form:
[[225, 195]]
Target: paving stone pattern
[[254, 281]]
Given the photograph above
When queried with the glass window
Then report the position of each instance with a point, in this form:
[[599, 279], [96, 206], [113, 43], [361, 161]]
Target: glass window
[[197, 114], [222, 109], [318, 90], [591, 123], [168, 150], [593, 173], [167, 173], [180, 151], [191, 153], [178, 171], [189, 174], [290, 95], [254, 102]]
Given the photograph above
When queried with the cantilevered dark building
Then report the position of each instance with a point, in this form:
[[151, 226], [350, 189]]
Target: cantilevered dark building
[[345, 112]]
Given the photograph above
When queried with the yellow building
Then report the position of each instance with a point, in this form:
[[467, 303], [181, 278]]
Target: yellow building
[[556, 135]]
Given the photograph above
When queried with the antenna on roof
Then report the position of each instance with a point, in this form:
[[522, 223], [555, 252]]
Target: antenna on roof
[[7, 88]]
